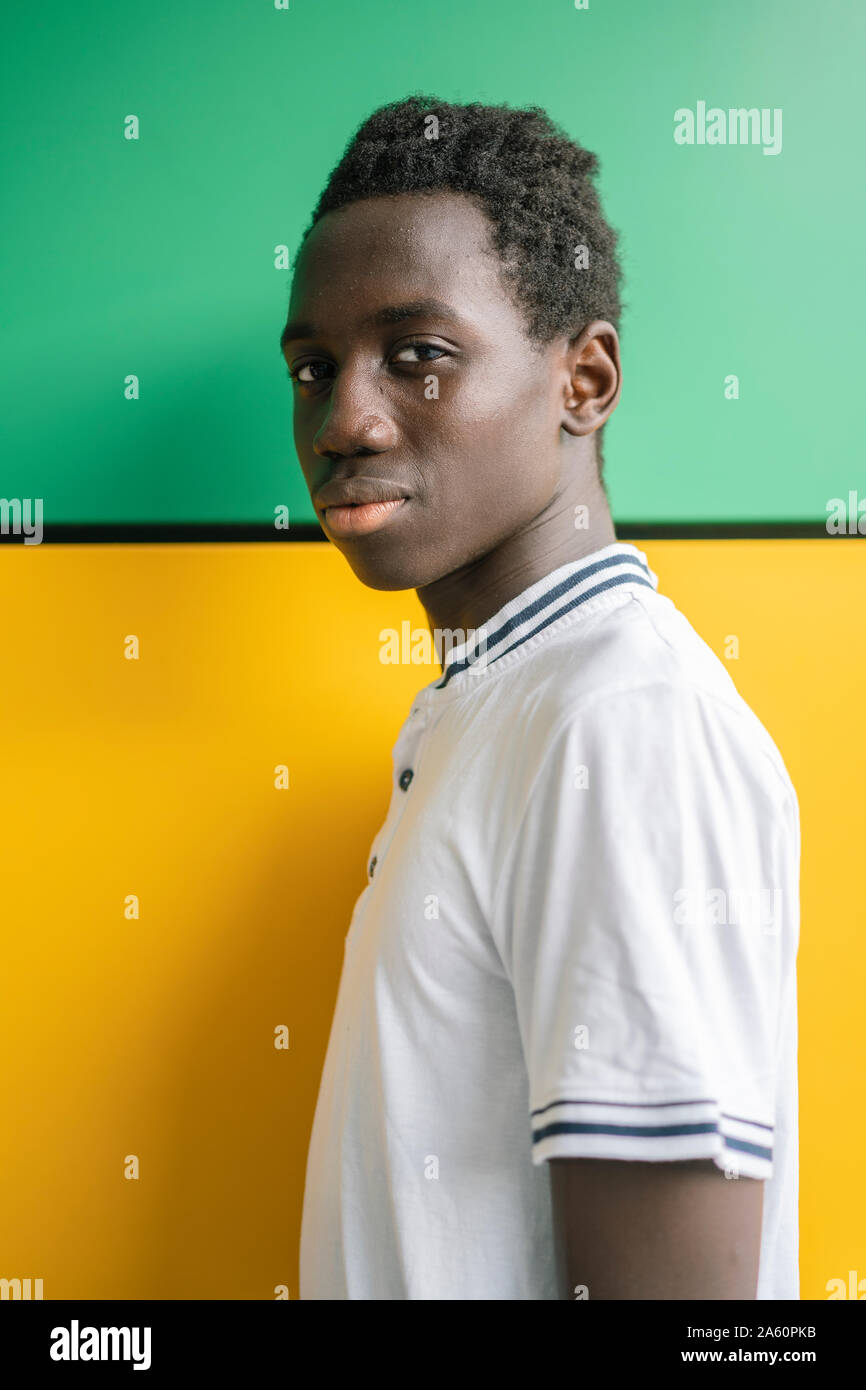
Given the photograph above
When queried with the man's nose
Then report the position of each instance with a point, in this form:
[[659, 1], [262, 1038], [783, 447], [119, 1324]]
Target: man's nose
[[355, 421]]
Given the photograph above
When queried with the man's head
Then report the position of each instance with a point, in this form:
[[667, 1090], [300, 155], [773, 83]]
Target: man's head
[[453, 334]]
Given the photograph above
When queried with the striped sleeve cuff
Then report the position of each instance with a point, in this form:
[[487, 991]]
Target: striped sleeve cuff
[[653, 1130]]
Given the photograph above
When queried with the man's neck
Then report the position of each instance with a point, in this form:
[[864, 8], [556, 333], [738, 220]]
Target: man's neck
[[466, 599]]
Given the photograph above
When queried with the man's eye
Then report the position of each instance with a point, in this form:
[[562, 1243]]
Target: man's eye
[[308, 372], [419, 348]]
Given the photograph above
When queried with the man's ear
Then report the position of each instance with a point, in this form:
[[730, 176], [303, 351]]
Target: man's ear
[[594, 378]]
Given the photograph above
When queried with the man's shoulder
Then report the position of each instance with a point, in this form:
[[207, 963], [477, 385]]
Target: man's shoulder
[[641, 676], [642, 642]]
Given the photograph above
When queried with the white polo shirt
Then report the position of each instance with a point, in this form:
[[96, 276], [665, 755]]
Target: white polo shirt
[[578, 938]]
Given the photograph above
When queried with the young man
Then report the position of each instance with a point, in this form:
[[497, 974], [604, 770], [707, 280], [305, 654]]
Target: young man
[[563, 1058]]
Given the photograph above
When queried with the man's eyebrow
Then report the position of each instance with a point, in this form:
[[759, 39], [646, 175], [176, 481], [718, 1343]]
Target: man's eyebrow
[[414, 309], [390, 313]]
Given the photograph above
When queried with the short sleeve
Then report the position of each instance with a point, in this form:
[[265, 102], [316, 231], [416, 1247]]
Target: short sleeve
[[648, 920]]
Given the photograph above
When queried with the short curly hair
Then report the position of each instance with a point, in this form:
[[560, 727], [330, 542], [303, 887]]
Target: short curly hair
[[534, 183]]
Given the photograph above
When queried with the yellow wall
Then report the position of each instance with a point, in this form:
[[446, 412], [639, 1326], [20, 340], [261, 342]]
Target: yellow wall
[[155, 777]]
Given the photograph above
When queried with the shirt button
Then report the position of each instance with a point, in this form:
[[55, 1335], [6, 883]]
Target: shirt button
[[373, 863], [406, 777]]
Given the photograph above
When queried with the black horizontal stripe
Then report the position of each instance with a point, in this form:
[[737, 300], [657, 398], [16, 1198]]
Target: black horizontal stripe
[[626, 1104], [653, 1105], [746, 1147], [627, 1131], [168, 532], [740, 1121], [651, 1132], [178, 532]]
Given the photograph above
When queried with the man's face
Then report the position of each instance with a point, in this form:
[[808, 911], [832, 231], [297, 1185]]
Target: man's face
[[412, 366]]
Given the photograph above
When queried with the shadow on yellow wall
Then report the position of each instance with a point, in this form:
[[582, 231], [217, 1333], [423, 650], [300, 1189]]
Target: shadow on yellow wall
[[153, 1035]]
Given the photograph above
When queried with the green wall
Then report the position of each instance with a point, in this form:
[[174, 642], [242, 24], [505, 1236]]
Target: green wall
[[156, 256]]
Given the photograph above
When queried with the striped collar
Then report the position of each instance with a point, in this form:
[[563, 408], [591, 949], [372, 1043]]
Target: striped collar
[[549, 599]]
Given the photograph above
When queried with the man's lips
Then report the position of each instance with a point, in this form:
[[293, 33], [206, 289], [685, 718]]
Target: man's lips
[[355, 506], [357, 490], [362, 517]]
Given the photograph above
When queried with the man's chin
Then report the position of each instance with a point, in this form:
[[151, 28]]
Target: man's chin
[[386, 572]]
